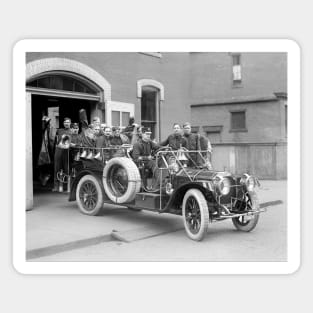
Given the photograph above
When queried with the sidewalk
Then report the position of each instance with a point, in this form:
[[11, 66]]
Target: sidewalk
[[56, 225]]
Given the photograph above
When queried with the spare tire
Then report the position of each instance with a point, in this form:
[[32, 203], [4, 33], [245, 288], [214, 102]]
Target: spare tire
[[121, 180]]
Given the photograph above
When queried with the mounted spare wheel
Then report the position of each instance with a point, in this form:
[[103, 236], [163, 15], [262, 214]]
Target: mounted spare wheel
[[121, 180]]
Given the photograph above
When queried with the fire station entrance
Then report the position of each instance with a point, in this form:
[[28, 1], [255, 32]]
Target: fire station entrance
[[56, 108], [58, 88], [56, 96]]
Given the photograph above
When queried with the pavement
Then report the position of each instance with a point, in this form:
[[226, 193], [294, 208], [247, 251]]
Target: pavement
[[55, 225]]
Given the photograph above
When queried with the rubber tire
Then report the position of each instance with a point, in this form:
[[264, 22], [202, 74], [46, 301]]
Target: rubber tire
[[254, 219], [204, 211], [99, 204], [134, 180]]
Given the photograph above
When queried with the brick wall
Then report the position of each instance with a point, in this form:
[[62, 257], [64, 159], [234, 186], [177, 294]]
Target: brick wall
[[264, 121], [211, 75], [123, 70]]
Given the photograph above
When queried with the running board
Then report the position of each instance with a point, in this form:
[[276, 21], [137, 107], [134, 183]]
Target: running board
[[270, 203]]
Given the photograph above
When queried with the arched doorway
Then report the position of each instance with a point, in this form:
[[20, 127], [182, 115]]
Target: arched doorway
[[58, 95], [59, 88]]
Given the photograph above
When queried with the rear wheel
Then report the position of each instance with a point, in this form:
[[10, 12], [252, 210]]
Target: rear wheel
[[89, 195], [248, 222], [196, 214]]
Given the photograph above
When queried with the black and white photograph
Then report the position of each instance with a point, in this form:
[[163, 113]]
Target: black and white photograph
[[170, 156]]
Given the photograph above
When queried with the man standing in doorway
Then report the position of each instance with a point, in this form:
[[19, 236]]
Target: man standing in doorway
[[61, 165]]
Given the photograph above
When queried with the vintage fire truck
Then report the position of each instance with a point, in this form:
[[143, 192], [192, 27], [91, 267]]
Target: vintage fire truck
[[178, 185]]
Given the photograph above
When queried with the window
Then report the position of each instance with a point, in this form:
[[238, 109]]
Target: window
[[214, 137], [115, 118], [149, 109], [237, 77], [120, 118], [125, 118], [238, 121], [195, 129], [213, 132], [61, 82]]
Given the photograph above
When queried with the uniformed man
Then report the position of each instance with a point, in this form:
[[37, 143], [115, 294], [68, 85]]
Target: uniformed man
[[196, 142], [143, 149], [61, 160], [175, 140], [116, 139], [105, 140], [75, 137], [103, 126]]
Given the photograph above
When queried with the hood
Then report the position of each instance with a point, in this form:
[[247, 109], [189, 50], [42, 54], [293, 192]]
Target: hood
[[202, 174]]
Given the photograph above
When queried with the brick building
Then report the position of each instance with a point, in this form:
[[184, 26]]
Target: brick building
[[238, 100]]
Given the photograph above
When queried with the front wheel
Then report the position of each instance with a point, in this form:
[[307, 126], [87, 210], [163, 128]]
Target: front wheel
[[89, 195], [195, 214], [248, 222]]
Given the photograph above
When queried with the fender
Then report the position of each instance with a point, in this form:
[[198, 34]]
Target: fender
[[177, 197], [74, 182], [254, 200]]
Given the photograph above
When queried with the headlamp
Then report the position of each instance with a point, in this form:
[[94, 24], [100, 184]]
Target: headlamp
[[222, 184], [248, 181]]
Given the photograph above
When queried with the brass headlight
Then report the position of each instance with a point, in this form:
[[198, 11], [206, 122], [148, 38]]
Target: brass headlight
[[222, 184], [248, 181]]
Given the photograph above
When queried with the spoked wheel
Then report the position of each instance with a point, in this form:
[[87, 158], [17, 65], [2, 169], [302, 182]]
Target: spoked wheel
[[118, 180], [121, 180], [89, 195], [248, 222], [195, 214]]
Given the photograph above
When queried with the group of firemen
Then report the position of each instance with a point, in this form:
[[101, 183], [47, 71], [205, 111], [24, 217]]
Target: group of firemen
[[100, 135]]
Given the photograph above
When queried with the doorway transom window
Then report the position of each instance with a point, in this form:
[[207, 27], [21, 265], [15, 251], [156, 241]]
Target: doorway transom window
[[62, 82]]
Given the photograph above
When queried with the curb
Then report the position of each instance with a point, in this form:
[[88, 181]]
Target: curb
[[78, 244]]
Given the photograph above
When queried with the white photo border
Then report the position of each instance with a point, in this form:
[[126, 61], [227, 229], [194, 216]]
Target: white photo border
[[150, 45]]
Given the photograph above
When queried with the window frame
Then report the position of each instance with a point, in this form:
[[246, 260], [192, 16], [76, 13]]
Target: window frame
[[120, 117], [236, 83], [238, 130]]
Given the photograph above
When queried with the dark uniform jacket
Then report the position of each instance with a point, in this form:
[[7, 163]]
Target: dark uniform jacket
[[76, 139], [175, 141], [116, 141], [103, 141], [196, 142], [143, 148], [86, 139]]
